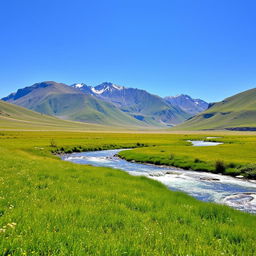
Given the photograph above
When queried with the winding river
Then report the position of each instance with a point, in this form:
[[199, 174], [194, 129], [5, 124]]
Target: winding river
[[237, 193]]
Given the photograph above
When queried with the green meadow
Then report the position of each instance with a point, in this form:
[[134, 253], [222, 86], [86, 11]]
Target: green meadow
[[52, 207], [236, 156]]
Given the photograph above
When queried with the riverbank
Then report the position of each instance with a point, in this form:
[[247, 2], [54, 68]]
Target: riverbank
[[158, 164], [234, 158], [204, 186]]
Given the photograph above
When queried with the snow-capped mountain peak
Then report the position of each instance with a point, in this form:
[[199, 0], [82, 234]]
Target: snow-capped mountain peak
[[79, 85], [100, 89], [83, 87], [106, 87]]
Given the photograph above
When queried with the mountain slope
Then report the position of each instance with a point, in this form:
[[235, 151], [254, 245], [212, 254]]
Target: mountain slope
[[187, 104], [137, 103], [16, 117], [234, 113], [69, 103]]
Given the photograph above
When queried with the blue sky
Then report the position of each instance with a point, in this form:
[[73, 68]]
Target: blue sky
[[204, 48]]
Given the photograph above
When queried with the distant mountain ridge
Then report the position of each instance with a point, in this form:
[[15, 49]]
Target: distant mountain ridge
[[187, 104], [69, 103], [106, 103], [237, 113], [143, 105], [100, 89]]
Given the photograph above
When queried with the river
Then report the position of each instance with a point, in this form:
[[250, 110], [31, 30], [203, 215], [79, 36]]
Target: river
[[237, 193]]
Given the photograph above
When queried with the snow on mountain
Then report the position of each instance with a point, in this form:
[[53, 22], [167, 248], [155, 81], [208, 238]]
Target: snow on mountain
[[79, 85], [139, 102], [99, 89], [83, 87]]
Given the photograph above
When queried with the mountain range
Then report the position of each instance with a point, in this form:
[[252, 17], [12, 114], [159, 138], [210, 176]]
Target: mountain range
[[237, 112], [187, 104], [106, 103]]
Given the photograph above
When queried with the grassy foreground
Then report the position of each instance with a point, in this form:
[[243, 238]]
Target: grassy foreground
[[51, 207]]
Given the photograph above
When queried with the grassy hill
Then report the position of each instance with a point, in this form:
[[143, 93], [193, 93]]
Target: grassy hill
[[234, 113], [16, 117], [69, 103]]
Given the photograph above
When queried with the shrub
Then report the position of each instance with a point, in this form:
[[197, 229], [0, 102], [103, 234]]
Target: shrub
[[220, 166], [249, 170], [232, 171], [197, 160], [231, 165], [157, 162]]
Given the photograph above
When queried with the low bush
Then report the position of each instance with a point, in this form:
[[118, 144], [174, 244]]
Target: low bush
[[232, 165], [232, 171], [249, 171], [220, 166]]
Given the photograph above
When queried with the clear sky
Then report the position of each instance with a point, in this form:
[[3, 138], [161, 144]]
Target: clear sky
[[204, 48]]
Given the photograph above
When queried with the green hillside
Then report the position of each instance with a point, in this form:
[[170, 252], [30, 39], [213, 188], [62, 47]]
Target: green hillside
[[68, 103], [234, 113], [16, 117]]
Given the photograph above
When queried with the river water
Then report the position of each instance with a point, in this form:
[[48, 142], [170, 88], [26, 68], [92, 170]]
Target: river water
[[237, 193]]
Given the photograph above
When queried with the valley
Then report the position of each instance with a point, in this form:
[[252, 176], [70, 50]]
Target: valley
[[51, 207], [128, 128]]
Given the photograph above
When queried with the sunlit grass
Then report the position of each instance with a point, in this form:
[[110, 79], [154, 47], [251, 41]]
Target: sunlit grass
[[237, 155], [52, 207]]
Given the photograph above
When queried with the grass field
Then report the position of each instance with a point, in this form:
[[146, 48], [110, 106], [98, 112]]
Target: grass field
[[237, 156], [52, 207]]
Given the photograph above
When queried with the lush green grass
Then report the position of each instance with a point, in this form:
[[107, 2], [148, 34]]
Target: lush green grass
[[51, 207], [234, 112], [235, 157]]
